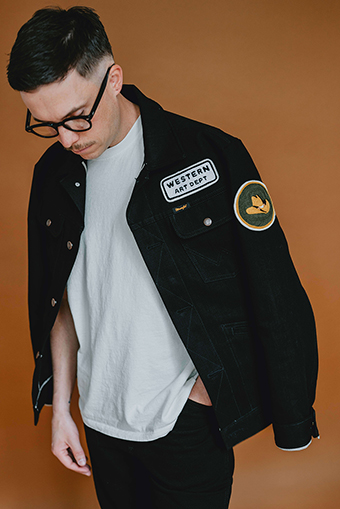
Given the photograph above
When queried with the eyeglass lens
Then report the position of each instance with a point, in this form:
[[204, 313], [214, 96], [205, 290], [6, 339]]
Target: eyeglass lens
[[77, 124]]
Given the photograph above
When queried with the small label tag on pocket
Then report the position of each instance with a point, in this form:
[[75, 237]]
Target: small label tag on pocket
[[190, 180], [180, 208]]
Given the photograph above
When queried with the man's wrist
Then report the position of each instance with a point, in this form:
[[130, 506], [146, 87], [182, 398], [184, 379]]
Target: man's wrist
[[60, 408]]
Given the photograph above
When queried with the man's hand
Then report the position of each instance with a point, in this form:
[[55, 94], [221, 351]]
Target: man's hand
[[66, 445]]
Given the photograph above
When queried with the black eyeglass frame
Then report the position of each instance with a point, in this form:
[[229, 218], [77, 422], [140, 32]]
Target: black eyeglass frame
[[30, 128]]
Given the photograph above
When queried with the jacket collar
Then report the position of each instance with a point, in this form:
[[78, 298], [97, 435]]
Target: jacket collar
[[161, 144]]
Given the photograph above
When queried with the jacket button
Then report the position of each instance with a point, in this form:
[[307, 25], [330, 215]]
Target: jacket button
[[69, 245], [53, 302], [77, 184], [48, 222], [207, 221], [38, 355]]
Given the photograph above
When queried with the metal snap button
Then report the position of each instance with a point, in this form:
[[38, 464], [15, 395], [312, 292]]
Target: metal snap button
[[77, 184], [69, 245], [48, 222], [38, 355], [53, 302], [207, 221]]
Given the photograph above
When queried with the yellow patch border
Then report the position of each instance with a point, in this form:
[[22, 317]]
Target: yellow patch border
[[237, 212]]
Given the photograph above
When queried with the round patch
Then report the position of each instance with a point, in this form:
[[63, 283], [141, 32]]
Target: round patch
[[253, 206]]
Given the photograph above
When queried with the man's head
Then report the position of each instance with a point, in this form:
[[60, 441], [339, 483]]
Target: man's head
[[63, 66], [53, 42]]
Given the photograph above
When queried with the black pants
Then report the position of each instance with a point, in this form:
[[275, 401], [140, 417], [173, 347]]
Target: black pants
[[188, 468]]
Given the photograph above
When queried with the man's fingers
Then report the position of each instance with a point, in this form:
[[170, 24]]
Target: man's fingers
[[71, 455], [67, 458], [76, 454], [79, 465], [80, 458]]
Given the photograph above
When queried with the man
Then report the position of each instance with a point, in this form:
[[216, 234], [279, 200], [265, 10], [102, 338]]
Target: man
[[165, 286]]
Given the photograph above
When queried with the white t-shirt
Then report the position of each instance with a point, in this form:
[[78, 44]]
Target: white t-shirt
[[134, 373]]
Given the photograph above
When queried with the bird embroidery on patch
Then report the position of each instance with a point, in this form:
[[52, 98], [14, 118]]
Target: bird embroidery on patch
[[259, 206]]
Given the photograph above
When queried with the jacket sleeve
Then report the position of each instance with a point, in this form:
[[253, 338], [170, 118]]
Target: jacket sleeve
[[281, 310], [37, 284]]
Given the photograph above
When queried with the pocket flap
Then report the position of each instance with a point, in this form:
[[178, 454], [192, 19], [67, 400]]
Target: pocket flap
[[201, 217]]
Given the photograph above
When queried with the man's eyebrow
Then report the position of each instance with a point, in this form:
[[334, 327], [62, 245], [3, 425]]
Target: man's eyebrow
[[69, 114]]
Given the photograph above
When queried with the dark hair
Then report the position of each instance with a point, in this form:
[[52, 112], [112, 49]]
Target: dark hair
[[53, 42]]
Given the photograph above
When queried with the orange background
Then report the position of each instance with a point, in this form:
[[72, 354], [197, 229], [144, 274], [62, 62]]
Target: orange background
[[266, 71]]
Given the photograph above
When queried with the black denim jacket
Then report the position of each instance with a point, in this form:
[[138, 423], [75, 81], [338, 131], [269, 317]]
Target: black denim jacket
[[229, 285]]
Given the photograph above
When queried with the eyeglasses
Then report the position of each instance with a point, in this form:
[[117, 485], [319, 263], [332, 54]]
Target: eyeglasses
[[78, 124]]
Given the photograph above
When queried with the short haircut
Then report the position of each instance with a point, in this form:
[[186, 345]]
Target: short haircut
[[53, 42]]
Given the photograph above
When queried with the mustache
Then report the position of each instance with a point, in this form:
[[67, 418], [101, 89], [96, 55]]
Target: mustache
[[80, 147]]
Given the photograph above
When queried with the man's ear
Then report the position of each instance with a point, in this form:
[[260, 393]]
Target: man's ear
[[115, 80]]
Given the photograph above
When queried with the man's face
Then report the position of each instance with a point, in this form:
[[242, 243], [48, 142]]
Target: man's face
[[74, 96]]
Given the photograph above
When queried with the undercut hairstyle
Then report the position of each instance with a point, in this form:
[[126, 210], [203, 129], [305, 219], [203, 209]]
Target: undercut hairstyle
[[53, 42]]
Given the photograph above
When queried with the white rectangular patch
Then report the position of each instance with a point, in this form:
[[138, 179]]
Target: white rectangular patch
[[190, 180]]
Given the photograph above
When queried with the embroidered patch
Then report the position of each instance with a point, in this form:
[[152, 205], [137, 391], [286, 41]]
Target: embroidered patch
[[190, 180], [253, 206]]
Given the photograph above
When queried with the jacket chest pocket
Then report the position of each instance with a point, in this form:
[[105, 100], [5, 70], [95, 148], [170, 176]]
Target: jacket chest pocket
[[205, 230]]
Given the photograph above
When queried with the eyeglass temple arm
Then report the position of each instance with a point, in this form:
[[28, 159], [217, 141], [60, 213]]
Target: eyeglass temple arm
[[102, 88]]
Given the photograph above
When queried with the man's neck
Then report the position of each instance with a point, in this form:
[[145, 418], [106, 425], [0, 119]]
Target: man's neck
[[129, 113]]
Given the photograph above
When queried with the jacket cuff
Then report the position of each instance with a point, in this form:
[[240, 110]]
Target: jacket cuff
[[297, 435], [298, 448]]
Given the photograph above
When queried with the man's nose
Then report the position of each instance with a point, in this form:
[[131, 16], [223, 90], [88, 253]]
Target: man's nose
[[66, 137]]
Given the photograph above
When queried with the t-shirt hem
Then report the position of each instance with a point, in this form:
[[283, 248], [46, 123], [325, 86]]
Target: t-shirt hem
[[139, 436], [132, 436]]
